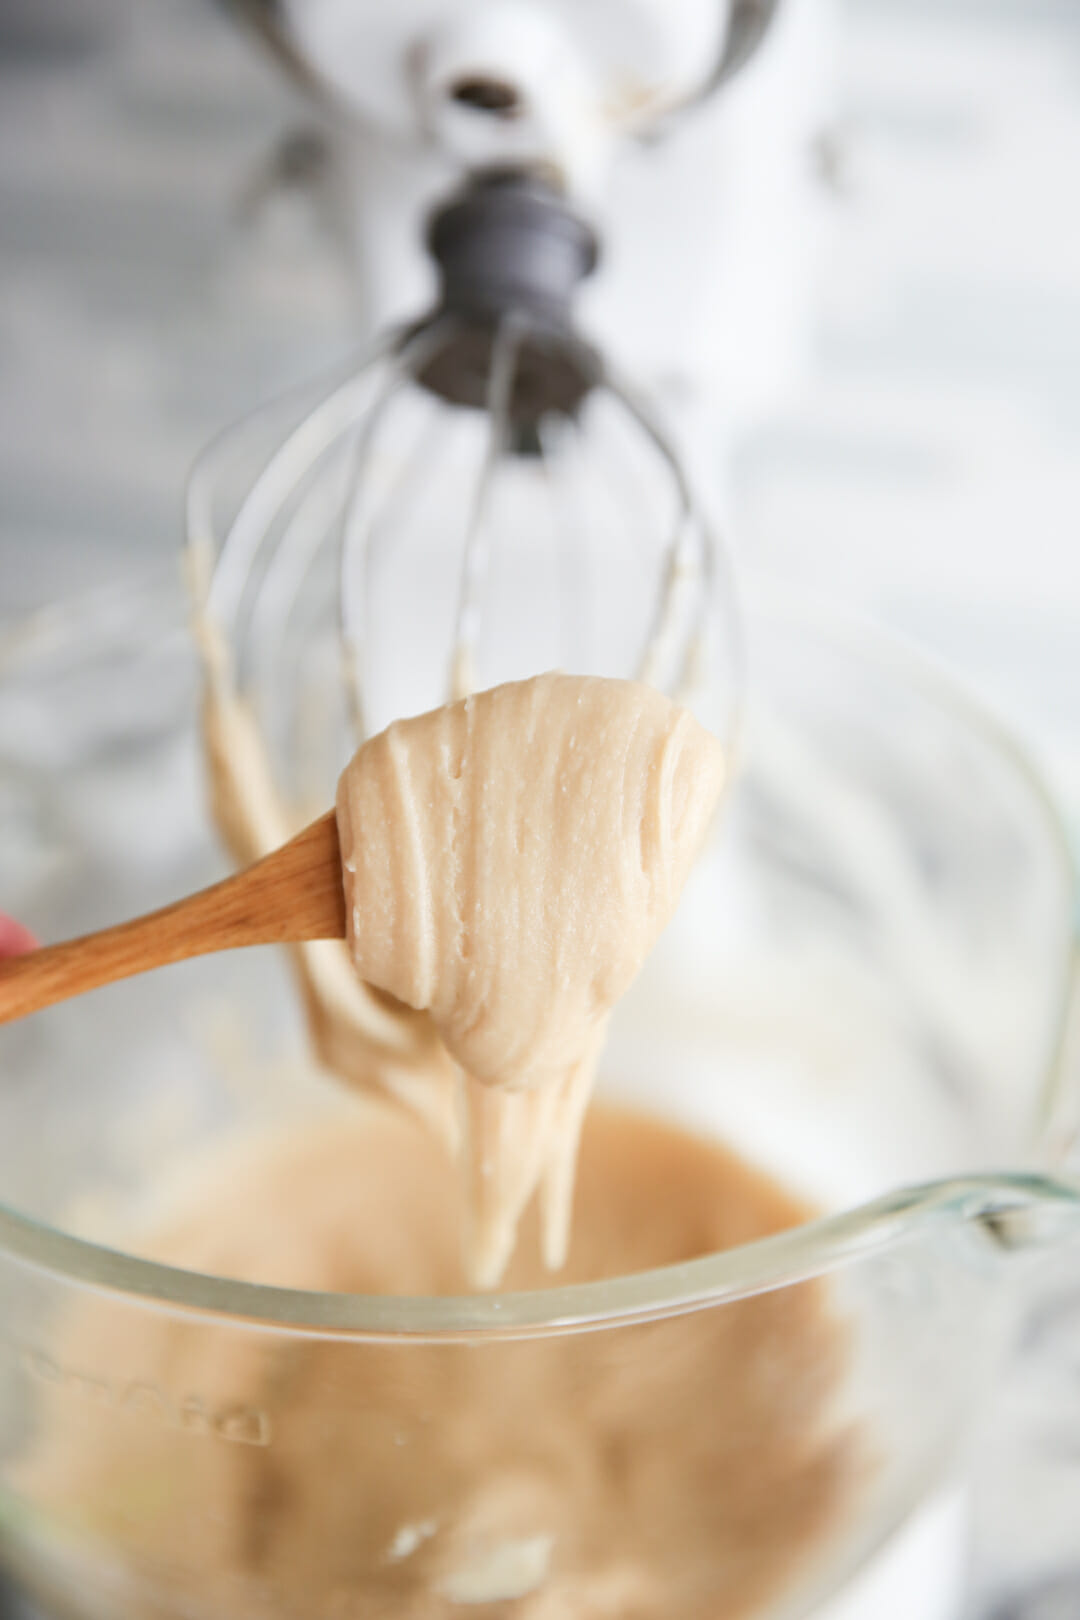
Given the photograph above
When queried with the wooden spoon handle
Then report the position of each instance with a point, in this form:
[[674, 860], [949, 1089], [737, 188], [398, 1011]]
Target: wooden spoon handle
[[294, 894]]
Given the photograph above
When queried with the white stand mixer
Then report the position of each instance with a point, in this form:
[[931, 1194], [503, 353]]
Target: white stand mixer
[[707, 205], [542, 201]]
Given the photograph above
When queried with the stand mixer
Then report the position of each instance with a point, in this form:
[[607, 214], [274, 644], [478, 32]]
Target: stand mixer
[[686, 133], [574, 196], [554, 186]]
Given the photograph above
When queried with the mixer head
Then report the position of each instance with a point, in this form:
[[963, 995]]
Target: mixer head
[[674, 55]]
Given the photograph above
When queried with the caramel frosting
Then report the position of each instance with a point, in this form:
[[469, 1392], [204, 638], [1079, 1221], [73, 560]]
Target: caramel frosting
[[509, 862]]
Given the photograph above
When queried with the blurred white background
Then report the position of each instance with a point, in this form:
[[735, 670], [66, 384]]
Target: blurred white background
[[928, 470]]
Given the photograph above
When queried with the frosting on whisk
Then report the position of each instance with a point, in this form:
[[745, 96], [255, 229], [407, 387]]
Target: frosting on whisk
[[510, 859]]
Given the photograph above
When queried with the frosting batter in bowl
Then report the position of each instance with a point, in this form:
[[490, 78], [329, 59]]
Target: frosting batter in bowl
[[685, 1468]]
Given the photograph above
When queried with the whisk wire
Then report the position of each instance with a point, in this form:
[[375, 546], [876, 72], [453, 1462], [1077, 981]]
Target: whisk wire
[[476, 553], [290, 464], [283, 579], [572, 559], [359, 514], [691, 567]]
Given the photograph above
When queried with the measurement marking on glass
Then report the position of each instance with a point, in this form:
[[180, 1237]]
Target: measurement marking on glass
[[231, 1421]]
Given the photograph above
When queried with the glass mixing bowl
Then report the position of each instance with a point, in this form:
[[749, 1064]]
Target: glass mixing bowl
[[864, 992]]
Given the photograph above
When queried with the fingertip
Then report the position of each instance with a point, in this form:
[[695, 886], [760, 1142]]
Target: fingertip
[[15, 940]]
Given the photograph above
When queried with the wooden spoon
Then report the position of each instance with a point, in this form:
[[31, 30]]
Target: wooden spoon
[[294, 894]]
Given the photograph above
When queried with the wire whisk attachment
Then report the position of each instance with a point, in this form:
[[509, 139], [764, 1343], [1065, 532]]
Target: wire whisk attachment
[[481, 498]]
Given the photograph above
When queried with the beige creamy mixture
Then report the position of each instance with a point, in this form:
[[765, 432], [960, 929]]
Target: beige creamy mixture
[[510, 860], [678, 1470]]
